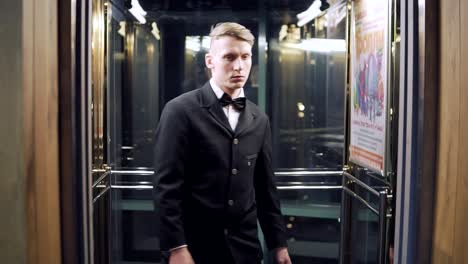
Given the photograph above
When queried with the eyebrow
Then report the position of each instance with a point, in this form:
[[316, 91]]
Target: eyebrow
[[236, 54]]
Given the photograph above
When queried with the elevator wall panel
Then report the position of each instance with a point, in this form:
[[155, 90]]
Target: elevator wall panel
[[450, 230], [40, 131], [461, 207]]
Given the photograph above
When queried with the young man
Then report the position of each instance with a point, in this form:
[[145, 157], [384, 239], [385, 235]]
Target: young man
[[213, 165]]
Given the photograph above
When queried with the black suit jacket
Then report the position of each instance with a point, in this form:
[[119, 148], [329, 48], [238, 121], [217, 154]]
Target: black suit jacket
[[212, 183]]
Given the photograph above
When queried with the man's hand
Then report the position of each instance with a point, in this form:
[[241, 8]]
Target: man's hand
[[181, 256], [390, 254], [282, 256]]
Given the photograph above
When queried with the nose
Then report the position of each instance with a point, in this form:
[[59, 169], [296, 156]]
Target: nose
[[238, 64]]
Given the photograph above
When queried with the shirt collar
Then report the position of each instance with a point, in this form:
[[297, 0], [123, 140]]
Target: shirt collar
[[219, 92]]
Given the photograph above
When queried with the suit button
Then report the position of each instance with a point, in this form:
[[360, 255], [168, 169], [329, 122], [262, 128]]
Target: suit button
[[236, 141], [234, 171], [231, 202]]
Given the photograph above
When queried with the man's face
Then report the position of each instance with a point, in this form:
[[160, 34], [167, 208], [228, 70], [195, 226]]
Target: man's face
[[229, 60]]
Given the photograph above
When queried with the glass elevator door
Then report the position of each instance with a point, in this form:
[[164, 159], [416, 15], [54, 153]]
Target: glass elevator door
[[140, 61]]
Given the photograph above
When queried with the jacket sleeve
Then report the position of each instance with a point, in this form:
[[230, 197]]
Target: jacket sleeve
[[268, 205], [170, 156]]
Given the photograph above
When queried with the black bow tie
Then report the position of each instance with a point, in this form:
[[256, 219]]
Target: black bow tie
[[238, 103]]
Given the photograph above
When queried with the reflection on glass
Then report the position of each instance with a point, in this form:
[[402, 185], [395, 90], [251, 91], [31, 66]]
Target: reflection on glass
[[365, 234], [101, 232], [196, 74], [366, 209], [307, 66], [133, 79], [134, 233], [312, 219], [133, 90], [318, 45]]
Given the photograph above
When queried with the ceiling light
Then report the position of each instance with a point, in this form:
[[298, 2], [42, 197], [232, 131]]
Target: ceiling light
[[314, 10], [319, 45], [155, 30], [138, 12]]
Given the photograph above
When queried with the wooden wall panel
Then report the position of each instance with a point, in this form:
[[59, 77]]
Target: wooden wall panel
[[448, 133], [461, 208], [450, 231], [40, 84], [28, 105]]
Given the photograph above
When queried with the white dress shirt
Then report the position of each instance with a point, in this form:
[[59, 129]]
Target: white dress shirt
[[231, 113]]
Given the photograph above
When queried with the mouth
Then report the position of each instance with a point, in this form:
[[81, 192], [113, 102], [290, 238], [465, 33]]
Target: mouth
[[237, 78]]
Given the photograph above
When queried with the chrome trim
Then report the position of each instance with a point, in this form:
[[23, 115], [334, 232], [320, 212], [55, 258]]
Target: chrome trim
[[347, 89], [306, 183], [97, 104], [134, 187], [147, 186], [360, 183], [382, 226], [306, 173], [345, 226], [104, 175], [101, 193], [127, 147], [355, 195], [279, 173], [303, 187], [389, 93], [373, 176], [134, 168], [85, 83], [134, 183], [132, 172], [98, 171]]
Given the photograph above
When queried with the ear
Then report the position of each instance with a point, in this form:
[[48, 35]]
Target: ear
[[209, 61]]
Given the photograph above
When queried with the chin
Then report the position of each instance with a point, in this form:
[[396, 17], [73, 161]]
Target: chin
[[237, 86]]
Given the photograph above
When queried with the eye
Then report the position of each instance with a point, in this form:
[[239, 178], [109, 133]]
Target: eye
[[229, 57], [245, 56]]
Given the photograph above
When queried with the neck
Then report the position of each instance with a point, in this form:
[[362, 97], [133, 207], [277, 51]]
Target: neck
[[234, 93]]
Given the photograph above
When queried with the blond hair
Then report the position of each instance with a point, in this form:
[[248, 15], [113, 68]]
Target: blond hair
[[234, 30]]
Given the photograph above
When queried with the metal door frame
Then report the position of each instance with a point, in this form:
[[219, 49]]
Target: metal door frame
[[74, 118], [418, 122], [349, 180]]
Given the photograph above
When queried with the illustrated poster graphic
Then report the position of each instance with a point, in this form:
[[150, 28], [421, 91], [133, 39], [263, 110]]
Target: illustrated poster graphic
[[369, 49]]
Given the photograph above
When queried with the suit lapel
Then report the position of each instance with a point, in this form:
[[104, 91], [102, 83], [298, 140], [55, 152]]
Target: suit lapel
[[245, 119], [209, 101], [217, 112]]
